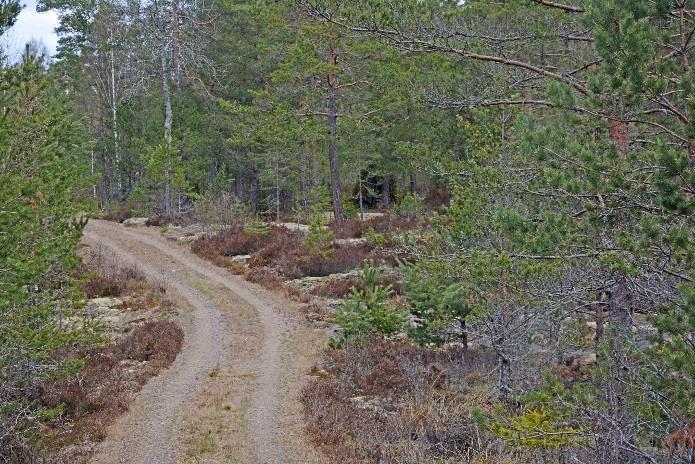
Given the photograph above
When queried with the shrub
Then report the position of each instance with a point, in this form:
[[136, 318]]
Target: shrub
[[105, 282], [209, 248], [233, 243], [109, 277], [437, 197], [118, 211], [257, 228], [222, 208], [292, 259], [320, 237], [343, 258], [382, 401], [338, 288], [384, 224], [264, 277], [350, 209], [410, 206], [100, 391], [99, 286], [437, 304], [105, 275], [375, 238], [366, 311], [286, 253], [161, 220]]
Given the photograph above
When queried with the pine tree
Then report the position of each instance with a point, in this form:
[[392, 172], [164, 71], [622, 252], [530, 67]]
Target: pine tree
[[581, 208], [9, 10], [43, 155]]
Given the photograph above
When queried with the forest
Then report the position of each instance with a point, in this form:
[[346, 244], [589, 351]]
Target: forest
[[481, 211]]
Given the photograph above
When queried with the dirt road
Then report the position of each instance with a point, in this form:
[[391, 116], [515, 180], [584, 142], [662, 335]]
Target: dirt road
[[232, 393]]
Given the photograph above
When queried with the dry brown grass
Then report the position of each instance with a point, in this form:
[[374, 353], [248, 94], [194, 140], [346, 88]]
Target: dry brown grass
[[283, 251], [386, 224], [118, 212], [103, 388], [104, 275], [339, 288], [377, 401]]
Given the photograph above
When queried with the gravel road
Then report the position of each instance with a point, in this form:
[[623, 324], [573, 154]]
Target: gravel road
[[277, 349]]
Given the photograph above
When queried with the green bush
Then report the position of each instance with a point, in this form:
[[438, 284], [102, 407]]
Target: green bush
[[437, 305], [374, 238], [257, 228], [366, 311], [349, 208], [320, 237], [410, 206]]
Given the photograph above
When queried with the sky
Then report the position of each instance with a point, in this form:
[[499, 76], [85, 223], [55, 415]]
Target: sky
[[31, 25]]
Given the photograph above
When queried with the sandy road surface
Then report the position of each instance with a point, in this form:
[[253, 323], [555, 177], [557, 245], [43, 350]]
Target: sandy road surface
[[231, 395]]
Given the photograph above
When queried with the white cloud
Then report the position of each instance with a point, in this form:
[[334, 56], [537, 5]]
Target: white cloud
[[31, 25]]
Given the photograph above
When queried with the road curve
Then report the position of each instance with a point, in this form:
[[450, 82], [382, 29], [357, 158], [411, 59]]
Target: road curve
[[147, 433]]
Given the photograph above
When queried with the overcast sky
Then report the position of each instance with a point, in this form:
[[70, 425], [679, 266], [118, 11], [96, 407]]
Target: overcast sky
[[31, 25]]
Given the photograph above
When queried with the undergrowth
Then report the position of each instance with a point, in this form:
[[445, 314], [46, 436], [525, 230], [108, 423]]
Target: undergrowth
[[86, 403], [103, 275], [384, 224], [285, 252], [394, 402]]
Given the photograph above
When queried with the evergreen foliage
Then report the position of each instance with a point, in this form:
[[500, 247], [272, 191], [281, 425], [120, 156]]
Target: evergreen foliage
[[367, 311], [42, 178], [563, 130]]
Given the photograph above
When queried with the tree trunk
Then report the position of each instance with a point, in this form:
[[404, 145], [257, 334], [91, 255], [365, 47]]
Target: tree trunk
[[505, 378], [303, 182], [277, 190], [239, 188], [94, 186], [464, 334], [168, 118], [360, 186], [213, 174], [613, 422], [254, 191], [176, 44], [168, 115], [413, 183], [504, 363], [114, 121], [386, 192], [314, 169], [333, 148]]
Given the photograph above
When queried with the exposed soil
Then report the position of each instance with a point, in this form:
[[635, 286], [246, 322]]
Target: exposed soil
[[232, 395]]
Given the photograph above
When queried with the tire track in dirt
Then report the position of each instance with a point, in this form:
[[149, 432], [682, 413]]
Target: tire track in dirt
[[142, 436], [146, 434]]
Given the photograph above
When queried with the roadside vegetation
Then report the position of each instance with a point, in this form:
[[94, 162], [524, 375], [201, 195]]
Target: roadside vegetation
[[489, 206], [62, 379], [397, 402]]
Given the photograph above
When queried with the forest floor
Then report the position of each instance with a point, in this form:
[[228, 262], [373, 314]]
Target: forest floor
[[232, 394]]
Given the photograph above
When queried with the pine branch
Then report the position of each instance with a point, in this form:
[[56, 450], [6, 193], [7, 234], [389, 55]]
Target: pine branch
[[560, 6]]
